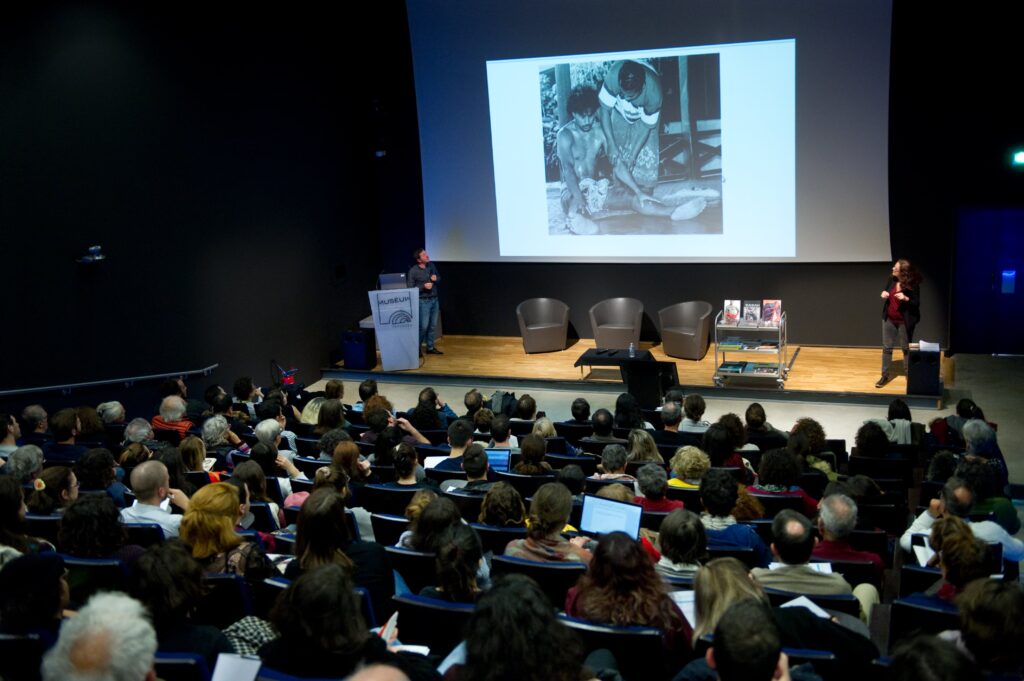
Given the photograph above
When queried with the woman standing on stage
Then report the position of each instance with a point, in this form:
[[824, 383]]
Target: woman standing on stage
[[901, 311]]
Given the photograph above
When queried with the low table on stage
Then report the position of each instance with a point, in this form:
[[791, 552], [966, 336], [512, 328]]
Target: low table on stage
[[597, 357]]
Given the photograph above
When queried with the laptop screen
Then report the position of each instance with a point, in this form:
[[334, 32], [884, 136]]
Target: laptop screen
[[601, 516], [392, 280], [498, 459]]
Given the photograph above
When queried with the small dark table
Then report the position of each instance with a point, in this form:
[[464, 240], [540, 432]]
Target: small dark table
[[598, 357]]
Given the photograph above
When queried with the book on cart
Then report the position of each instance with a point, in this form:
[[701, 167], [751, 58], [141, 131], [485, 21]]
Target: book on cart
[[761, 369], [732, 367], [751, 313], [731, 312], [730, 343], [771, 312]]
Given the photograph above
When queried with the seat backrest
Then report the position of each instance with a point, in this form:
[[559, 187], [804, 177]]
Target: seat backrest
[[773, 503], [198, 478], [876, 542], [542, 310], [520, 428], [468, 503], [181, 667], [387, 529], [143, 534], [639, 651], [43, 526], [909, 617], [495, 539], [747, 556], [86, 576], [263, 517], [554, 579], [689, 497], [882, 468], [855, 571], [593, 485], [226, 601], [841, 602], [417, 568], [526, 485], [21, 656], [309, 465], [587, 463], [574, 432], [380, 499], [617, 310], [652, 520], [437, 624]]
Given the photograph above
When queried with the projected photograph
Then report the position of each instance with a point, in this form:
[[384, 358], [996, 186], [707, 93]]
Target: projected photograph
[[633, 146]]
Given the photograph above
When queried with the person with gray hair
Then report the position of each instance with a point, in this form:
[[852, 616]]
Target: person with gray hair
[[217, 435], [956, 499], [837, 519], [172, 416], [110, 638], [613, 464], [269, 432], [653, 481], [980, 442], [111, 412], [138, 430], [671, 417], [25, 464], [36, 422]]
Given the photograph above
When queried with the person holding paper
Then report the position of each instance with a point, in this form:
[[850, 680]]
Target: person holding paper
[[901, 311]]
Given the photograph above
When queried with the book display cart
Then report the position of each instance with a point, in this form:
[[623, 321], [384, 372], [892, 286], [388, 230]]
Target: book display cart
[[751, 351]]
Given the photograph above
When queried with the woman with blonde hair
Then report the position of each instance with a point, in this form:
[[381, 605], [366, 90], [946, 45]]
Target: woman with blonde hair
[[132, 455], [689, 464], [723, 582], [193, 455], [208, 527], [642, 447], [545, 428]]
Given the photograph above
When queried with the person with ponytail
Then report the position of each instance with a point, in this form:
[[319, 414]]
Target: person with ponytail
[[458, 558]]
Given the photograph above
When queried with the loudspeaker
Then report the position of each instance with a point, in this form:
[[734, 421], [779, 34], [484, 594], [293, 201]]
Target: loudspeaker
[[358, 349], [923, 373]]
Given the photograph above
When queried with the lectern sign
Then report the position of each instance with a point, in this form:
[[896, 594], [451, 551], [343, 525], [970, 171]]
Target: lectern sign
[[396, 320]]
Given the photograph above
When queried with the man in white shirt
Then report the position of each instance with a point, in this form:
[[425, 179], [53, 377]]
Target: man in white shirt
[[956, 499], [152, 486]]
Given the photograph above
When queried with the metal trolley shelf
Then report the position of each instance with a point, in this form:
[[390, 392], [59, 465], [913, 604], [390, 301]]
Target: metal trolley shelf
[[749, 342]]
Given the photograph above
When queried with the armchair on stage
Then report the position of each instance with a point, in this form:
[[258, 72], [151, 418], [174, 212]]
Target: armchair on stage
[[616, 322], [686, 329], [543, 323]]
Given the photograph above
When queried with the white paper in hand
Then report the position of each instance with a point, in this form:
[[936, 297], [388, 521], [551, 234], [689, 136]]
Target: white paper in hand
[[805, 602], [232, 667]]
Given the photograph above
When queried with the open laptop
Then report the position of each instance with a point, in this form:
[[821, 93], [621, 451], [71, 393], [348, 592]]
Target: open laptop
[[498, 459], [392, 280], [601, 516]]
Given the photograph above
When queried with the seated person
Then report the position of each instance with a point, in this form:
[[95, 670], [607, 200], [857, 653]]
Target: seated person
[[988, 498], [642, 448], [961, 558], [474, 463], [653, 481], [671, 417], [580, 411], [603, 423], [545, 428], [152, 485], [501, 437], [778, 476], [460, 436], [503, 507], [719, 493], [405, 461], [458, 559], [549, 514], [720, 447], [793, 545], [683, 544], [693, 409], [837, 518], [689, 464], [991, 626], [613, 464], [33, 596], [533, 463]]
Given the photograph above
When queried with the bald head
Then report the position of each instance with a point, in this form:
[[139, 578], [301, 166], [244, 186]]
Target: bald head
[[379, 672], [147, 480]]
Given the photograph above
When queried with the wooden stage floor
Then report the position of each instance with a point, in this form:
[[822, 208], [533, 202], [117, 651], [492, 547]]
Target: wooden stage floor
[[816, 370]]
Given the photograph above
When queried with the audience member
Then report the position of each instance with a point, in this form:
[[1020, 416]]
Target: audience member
[[474, 463], [247, 394], [503, 507], [837, 519], [735, 427], [97, 471], [603, 423], [482, 419], [580, 410], [272, 412], [323, 537], [169, 582], [91, 528], [425, 532], [110, 638], [367, 389], [957, 499], [988, 498], [172, 416], [992, 626], [621, 587], [152, 486], [693, 408], [643, 448], [331, 416], [683, 544], [208, 527], [689, 464], [872, 442], [653, 482], [405, 461], [11, 432], [13, 540], [133, 455], [33, 598], [35, 425], [757, 422], [90, 426], [613, 464], [779, 475], [277, 467], [250, 473], [64, 427], [549, 514], [748, 645], [526, 409], [459, 557], [58, 491], [793, 545], [171, 458], [514, 633], [533, 463], [323, 633], [501, 437], [928, 657], [962, 558], [718, 494], [718, 444], [671, 417], [627, 413], [460, 435], [24, 464], [942, 466], [474, 402]]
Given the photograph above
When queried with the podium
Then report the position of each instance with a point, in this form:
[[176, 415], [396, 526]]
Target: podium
[[396, 320], [923, 373]]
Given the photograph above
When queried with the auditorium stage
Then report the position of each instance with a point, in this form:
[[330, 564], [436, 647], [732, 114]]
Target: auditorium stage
[[817, 373]]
